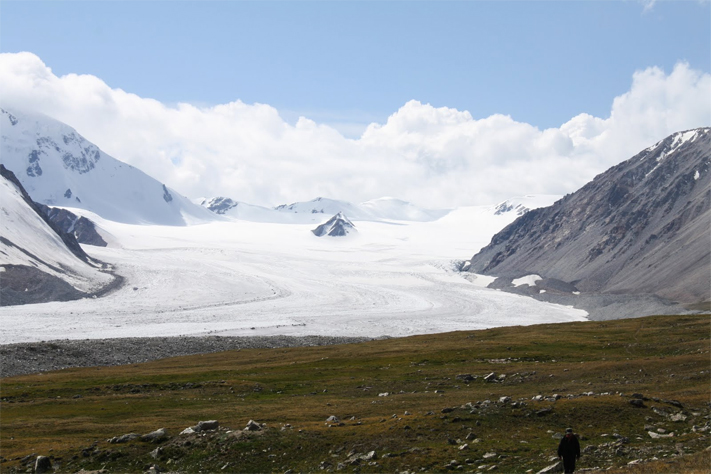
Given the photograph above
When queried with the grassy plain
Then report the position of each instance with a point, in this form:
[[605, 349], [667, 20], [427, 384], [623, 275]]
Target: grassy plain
[[434, 418]]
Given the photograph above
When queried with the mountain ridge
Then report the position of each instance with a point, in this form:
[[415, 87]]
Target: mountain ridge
[[60, 168], [640, 227]]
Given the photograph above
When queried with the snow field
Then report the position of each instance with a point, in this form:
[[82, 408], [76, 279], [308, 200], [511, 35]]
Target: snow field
[[392, 278]]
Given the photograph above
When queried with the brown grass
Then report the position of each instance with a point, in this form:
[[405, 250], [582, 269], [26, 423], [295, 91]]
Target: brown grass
[[666, 358]]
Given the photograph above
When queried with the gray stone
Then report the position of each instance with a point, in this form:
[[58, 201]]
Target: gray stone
[[557, 467], [490, 377], [154, 436], [209, 425], [42, 464], [253, 426], [124, 438]]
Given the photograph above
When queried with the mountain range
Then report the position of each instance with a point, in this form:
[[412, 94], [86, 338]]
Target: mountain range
[[59, 167], [641, 227], [385, 208]]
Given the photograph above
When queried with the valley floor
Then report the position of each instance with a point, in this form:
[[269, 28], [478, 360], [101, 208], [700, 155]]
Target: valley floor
[[258, 279]]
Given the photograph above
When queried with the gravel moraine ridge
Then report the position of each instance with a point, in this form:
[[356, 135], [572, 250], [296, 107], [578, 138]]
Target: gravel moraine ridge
[[34, 357]]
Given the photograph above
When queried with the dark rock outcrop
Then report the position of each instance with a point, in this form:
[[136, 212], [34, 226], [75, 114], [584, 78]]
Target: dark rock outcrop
[[336, 226], [642, 227], [219, 205], [69, 240], [80, 227]]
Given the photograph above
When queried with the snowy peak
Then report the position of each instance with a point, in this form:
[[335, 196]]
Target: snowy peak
[[337, 226], [219, 205], [508, 206], [59, 167], [673, 142], [322, 205], [518, 206], [386, 208]]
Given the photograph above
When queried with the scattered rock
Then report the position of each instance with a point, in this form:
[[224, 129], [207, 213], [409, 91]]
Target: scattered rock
[[557, 467], [154, 436], [209, 425], [504, 399], [490, 377], [489, 455], [253, 426], [155, 454], [333, 419], [675, 403], [654, 435], [123, 438], [678, 417], [637, 402]]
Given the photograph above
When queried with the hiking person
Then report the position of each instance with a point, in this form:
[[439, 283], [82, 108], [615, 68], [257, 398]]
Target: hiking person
[[569, 450]]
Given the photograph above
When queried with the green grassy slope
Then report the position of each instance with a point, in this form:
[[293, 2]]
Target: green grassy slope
[[431, 412]]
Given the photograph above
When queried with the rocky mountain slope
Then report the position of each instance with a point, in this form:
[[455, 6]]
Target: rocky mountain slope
[[39, 262], [642, 227], [336, 226], [59, 167]]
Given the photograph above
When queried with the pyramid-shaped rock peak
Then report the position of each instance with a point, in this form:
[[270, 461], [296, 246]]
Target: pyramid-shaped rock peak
[[336, 226]]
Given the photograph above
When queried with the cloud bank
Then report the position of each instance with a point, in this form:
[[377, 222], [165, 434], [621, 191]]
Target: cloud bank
[[432, 156]]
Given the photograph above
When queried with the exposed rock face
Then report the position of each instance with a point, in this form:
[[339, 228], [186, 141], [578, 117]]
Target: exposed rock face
[[69, 240], [219, 205], [81, 228], [642, 227], [336, 226]]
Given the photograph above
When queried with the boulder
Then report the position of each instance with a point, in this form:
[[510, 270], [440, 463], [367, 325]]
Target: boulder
[[42, 464], [209, 425], [490, 377], [253, 426], [154, 436], [124, 438]]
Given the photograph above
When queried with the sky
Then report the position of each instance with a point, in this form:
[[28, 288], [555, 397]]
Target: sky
[[441, 103]]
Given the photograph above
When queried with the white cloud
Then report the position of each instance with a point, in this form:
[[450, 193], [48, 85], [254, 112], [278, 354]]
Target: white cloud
[[431, 156]]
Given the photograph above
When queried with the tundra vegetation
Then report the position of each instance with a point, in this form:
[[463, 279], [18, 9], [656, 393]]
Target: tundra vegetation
[[636, 391]]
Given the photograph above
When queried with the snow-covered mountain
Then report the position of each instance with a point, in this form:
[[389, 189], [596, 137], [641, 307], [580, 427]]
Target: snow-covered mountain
[[336, 226], [241, 210], [36, 263], [59, 167], [386, 208]]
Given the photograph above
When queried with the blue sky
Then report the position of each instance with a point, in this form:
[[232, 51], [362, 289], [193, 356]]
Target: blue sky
[[356, 62], [439, 103]]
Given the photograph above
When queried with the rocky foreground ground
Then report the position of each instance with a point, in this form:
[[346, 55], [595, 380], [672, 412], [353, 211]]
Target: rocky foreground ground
[[34, 357]]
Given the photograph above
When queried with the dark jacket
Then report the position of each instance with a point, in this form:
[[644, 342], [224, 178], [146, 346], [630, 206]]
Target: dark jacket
[[569, 446]]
